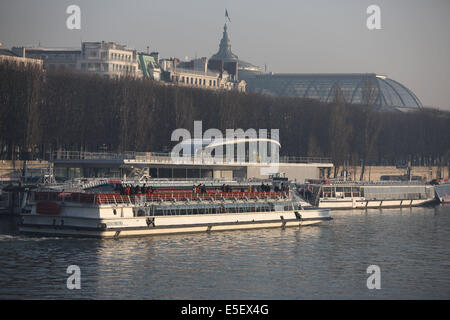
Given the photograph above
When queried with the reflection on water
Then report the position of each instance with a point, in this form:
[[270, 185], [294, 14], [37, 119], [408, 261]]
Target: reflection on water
[[326, 261]]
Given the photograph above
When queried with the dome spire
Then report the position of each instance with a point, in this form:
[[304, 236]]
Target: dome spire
[[224, 52]]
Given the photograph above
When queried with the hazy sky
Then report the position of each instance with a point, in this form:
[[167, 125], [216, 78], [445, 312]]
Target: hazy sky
[[314, 36]]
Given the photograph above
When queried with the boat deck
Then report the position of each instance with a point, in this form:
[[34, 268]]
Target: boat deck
[[99, 198]]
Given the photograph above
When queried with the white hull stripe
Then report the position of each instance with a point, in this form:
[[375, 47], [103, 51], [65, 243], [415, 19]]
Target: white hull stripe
[[114, 233]]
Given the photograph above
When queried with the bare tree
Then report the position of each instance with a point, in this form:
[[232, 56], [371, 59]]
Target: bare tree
[[339, 130], [371, 121]]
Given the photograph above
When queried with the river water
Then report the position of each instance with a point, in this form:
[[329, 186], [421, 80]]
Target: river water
[[328, 261]]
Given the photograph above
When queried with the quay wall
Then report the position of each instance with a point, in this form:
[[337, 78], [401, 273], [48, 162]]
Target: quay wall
[[374, 173], [11, 170]]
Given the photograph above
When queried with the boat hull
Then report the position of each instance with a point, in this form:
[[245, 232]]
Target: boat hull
[[371, 204], [161, 225]]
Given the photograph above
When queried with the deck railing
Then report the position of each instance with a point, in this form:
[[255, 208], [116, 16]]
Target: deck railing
[[341, 183], [117, 198], [160, 157]]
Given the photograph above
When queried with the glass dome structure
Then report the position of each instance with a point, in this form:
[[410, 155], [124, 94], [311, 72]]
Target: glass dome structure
[[384, 92]]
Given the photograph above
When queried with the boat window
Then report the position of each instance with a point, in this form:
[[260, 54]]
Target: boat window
[[211, 208]]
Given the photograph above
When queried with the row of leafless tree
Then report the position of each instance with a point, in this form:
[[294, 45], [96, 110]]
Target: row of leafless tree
[[42, 112]]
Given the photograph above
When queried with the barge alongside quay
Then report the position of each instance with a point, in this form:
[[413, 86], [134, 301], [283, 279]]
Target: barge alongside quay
[[167, 208], [364, 195]]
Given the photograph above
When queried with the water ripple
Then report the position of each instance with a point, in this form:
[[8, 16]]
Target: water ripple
[[326, 261]]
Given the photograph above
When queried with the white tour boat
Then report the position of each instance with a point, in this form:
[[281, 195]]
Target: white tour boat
[[122, 209], [363, 195]]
